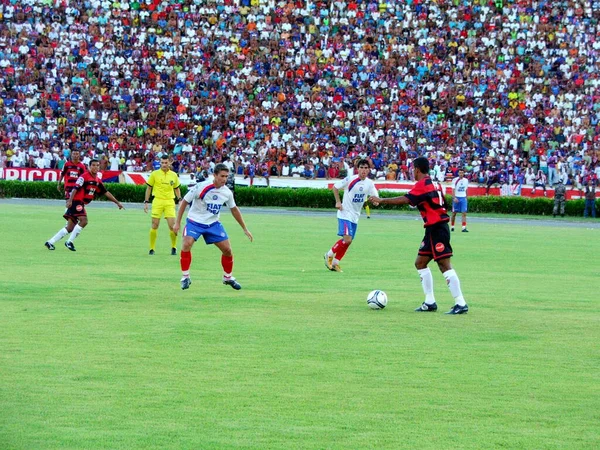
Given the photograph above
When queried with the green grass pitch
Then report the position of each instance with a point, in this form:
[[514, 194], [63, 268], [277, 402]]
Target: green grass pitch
[[101, 349]]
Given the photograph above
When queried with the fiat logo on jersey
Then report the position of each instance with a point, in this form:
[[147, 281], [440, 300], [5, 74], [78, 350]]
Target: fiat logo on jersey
[[215, 197], [439, 247]]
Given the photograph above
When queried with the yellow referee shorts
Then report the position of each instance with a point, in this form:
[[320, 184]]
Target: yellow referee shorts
[[160, 207]]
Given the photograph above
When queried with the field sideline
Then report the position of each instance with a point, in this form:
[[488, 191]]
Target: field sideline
[[102, 349]]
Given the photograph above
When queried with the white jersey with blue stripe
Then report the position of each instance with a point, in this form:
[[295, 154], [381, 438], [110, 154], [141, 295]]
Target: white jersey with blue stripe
[[460, 187], [206, 202], [357, 193]]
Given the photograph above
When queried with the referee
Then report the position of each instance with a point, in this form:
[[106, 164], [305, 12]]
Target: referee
[[163, 184]]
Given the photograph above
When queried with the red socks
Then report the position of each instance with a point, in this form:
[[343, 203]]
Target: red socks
[[186, 261], [339, 249], [227, 263]]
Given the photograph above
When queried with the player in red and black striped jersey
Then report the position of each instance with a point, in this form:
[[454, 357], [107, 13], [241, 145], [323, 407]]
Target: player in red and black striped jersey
[[87, 187], [72, 170], [428, 196]]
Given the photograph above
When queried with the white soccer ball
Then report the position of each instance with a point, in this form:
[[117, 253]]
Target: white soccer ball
[[377, 299]]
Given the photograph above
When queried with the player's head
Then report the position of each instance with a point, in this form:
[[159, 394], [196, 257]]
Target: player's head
[[94, 166], [461, 173], [164, 162], [364, 168], [75, 155], [220, 175], [421, 167]]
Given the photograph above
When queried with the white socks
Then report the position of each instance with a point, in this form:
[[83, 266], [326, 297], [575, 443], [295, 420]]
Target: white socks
[[427, 283], [75, 233], [58, 236], [454, 286]]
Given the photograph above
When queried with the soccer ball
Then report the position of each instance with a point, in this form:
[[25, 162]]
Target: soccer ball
[[377, 299]]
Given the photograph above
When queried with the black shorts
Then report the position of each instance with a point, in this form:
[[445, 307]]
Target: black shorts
[[436, 243], [76, 211]]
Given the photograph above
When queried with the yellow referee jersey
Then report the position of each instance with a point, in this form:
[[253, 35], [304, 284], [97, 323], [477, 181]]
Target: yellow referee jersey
[[163, 184]]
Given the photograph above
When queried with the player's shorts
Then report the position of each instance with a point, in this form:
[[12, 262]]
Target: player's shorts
[[163, 206], [212, 233], [436, 243], [76, 211], [345, 227], [460, 206]]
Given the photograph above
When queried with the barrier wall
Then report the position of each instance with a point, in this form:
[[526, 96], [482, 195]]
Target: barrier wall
[[139, 178]]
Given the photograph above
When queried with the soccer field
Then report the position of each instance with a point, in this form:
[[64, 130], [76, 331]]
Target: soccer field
[[101, 349]]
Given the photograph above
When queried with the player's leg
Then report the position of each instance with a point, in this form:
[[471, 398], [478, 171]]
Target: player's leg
[[170, 218], [157, 212], [429, 304], [453, 217], [185, 260], [61, 233], [81, 224], [368, 211], [464, 223], [460, 306], [346, 230], [227, 264]]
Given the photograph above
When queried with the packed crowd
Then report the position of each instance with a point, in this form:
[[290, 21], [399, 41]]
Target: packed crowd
[[303, 88]]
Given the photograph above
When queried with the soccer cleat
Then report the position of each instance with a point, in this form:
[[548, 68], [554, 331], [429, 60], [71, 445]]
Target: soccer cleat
[[185, 282], [328, 261], [49, 246], [464, 230], [70, 246], [151, 252], [451, 228], [425, 307], [173, 251], [456, 309], [233, 283], [337, 268]]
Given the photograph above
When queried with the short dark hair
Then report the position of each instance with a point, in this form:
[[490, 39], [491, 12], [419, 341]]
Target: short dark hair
[[94, 160], [164, 156], [363, 162], [422, 164], [220, 168]]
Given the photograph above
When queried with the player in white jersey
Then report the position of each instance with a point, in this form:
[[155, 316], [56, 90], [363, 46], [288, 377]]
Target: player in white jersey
[[459, 199], [206, 199], [357, 188]]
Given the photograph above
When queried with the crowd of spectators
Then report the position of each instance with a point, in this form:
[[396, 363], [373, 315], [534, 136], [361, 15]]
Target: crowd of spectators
[[503, 88]]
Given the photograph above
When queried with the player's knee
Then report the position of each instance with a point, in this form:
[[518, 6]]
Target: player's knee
[[227, 251], [347, 239]]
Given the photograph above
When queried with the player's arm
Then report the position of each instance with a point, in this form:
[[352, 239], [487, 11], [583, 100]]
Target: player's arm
[[114, 200], [454, 184], [147, 197], [177, 194], [338, 201], [237, 215], [60, 178], [376, 201], [182, 205]]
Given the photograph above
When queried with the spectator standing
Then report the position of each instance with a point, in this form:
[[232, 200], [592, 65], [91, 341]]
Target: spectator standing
[[560, 191]]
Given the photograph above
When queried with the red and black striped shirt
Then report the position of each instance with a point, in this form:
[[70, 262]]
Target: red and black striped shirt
[[428, 197], [71, 172], [88, 186]]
